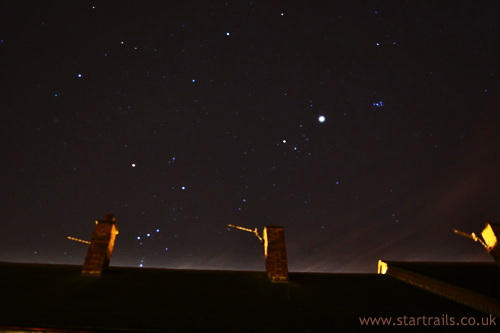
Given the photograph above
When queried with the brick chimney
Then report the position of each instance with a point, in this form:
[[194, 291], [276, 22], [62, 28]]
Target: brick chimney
[[275, 250], [101, 247], [491, 236]]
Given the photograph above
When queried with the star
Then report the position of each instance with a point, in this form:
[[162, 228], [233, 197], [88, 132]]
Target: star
[[225, 136]]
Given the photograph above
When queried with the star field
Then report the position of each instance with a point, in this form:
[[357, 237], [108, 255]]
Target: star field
[[367, 130]]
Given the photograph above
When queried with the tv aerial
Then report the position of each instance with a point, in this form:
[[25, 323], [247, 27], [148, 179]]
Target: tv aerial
[[254, 231], [472, 236], [78, 240]]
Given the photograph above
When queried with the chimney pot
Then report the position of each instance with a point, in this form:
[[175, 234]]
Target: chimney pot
[[491, 236], [101, 246], [275, 251]]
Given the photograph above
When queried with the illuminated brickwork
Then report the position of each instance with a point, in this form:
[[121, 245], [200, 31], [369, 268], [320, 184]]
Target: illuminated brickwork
[[491, 235], [275, 250], [101, 247]]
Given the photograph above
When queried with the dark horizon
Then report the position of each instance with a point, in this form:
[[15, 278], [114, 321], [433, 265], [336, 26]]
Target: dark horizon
[[183, 117]]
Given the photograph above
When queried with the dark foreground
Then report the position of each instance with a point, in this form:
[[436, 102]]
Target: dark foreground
[[166, 300]]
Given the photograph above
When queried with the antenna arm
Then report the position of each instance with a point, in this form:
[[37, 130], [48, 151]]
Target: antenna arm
[[477, 239], [258, 236], [78, 240], [471, 236], [254, 231]]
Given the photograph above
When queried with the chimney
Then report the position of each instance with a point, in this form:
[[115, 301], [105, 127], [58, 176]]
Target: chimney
[[491, 236], [275, 250], [101, 247]]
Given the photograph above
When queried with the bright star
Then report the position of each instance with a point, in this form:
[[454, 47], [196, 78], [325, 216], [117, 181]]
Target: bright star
[[321, 119], [133, 165]]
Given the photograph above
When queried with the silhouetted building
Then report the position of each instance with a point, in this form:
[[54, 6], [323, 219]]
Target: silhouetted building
[[99, 298], [55, 297]]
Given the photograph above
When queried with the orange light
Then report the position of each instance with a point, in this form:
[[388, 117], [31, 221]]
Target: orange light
[[489, 236], [266, 243], [114, 232], [382, 267]]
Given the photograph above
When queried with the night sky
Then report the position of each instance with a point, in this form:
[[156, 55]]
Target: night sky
[[368, 129]]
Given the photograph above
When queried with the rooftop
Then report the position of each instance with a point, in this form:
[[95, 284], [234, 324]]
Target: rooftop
[[168, 300]]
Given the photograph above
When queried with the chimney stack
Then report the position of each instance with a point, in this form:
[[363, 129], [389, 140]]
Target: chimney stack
[[275, 251], [101, 246], [491, 236]]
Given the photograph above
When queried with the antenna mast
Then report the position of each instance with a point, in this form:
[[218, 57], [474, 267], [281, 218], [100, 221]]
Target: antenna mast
[[254, 231], [78, 240], [471, 236]]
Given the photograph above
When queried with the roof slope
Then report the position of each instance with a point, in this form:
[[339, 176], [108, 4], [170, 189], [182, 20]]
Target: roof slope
[[55, 296], [482, 278]]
